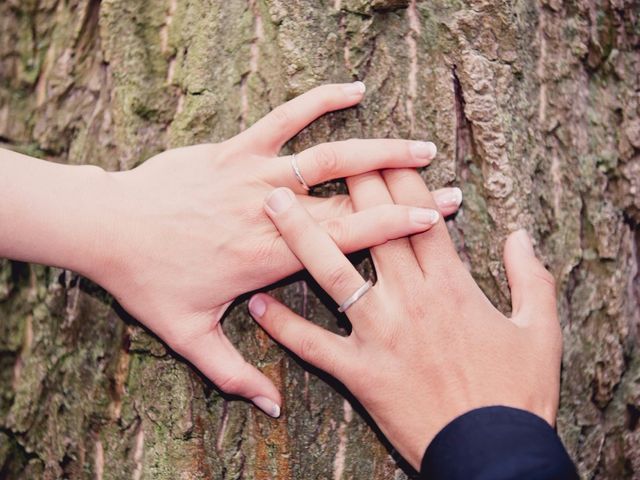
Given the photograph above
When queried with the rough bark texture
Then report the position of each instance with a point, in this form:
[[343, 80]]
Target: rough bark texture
[[534, 106]]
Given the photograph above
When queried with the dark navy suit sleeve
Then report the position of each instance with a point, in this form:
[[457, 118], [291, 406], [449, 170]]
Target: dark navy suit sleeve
[[497, 443]]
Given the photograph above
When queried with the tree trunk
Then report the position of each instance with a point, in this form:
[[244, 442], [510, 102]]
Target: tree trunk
[[534, 106]]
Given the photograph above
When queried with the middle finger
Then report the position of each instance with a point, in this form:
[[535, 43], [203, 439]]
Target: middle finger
[[323, 208]]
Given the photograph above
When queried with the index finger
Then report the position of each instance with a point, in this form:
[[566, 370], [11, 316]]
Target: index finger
[[272, 131], [313, 246]]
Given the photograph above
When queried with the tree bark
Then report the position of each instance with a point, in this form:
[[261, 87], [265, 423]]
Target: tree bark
[[534, 106]]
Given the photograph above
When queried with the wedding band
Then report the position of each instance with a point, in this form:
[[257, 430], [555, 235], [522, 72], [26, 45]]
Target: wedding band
[[296, 171], [357, 295]]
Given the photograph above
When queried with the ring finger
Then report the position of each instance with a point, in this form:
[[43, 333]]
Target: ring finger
[[328, 161], [313, 246]]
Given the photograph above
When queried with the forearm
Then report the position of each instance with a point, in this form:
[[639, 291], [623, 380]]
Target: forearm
[[49, 212]]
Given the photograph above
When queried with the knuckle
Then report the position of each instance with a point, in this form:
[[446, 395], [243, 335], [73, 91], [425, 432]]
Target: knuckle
[[326, 158], [230, 384], [315, 353], [253, 251], [224, 152], [282, 115], [341, 205], [337, 278], [389, 334], [338, 229], [451, 285], [308, 349], [417, 311]]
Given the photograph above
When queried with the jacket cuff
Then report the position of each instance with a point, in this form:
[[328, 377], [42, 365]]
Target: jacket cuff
[[497, 443]]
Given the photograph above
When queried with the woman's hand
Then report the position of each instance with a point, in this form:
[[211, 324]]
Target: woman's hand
[[426, 345], [188, 233]]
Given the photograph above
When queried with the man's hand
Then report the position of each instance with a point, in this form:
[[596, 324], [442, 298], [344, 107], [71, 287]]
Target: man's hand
[[426, 345]]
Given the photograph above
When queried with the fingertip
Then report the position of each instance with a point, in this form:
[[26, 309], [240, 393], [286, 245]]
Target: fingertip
[[533, 289], [257, 305], [279, 200], [432, 150], [448, 200], [354, 90], [423, 218], [268, 406], [423, 152]]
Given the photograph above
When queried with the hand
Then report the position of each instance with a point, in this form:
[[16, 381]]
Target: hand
[[426, 345], [189, 234]]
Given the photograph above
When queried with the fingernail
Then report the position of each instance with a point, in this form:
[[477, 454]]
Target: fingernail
[[355, 88], [268, 406], [279, 200], [525, 240], [257, 306], [423, 216], [449, 197], [423, 150]]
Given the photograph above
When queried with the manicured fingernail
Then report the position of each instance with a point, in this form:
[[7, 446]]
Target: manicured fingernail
[[424, 216], [449, 197], [279, 200], [268, 406], [355, 88], [525, 240], [423, 150], [257, 306]]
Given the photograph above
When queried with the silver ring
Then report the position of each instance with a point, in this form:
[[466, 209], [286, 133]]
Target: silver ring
[[296, 171], [357, 295]]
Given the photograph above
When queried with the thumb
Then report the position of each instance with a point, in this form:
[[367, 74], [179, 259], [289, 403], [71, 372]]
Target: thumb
[[215, 356], [533, 290]]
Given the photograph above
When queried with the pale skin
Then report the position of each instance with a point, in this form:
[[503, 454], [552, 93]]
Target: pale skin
[[426, 346], [177, 239]]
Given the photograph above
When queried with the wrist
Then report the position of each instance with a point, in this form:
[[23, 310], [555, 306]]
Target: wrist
[[50, 212], [109, 228], [95, 223], [75, 227]]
